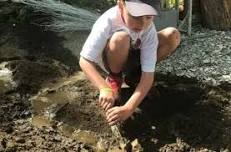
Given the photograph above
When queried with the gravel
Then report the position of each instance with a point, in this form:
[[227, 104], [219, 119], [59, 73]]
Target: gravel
[[205, 56]]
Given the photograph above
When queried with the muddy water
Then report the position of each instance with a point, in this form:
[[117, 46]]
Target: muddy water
[[71, 106], [175, 115], [6, 79]]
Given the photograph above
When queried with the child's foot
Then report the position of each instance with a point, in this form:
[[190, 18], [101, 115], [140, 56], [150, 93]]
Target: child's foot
[[115, 83]]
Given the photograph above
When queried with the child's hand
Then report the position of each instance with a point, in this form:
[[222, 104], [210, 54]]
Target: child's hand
[[106, 98], [117, 114]]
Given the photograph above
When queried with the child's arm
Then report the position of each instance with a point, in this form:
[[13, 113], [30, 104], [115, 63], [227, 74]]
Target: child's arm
[[106, 98], [117, 114], [142, 89]]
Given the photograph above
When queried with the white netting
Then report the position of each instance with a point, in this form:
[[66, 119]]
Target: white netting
[[64, 17]]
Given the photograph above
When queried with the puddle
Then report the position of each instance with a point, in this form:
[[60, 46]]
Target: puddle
[[51, 99], [71, 106], [41, 121], [6, 80], [51, 103], [83, 136]]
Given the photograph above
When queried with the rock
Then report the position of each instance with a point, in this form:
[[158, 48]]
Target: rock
[[57, 139], [101, 146], [9, 129], [3, 144], [136, 147], [20, 140]]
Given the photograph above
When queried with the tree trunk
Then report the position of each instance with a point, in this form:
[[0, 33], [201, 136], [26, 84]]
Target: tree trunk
[[216, 14]]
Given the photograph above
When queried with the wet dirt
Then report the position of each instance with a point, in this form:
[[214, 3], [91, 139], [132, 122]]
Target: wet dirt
[[72, 108], [184, 116], [53, 108]]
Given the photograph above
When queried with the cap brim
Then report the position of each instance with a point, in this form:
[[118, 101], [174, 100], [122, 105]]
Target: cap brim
[[140, 9]]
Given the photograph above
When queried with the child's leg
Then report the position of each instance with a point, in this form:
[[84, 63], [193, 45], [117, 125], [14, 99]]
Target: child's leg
[[116, 51], [169, 39], [114, 58]]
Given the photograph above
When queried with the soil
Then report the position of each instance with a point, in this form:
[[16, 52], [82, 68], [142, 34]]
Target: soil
[[52, 108]]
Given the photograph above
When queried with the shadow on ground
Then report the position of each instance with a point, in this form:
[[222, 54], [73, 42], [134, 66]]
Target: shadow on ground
[[180, 117]]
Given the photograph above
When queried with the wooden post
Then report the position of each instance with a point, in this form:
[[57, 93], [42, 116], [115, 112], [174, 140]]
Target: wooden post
[[187, 19], [190, 18], [216, 14]]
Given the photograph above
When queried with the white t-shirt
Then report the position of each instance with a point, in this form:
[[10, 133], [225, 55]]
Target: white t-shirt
[[109, 23]]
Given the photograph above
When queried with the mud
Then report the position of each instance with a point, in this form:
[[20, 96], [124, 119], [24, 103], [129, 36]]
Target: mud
[[52, 107], [183, 117]]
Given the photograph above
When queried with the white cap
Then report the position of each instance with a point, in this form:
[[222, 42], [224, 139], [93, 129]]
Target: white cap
[[140, 7]]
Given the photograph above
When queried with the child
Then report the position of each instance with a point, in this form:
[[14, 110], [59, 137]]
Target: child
[[122, 35]]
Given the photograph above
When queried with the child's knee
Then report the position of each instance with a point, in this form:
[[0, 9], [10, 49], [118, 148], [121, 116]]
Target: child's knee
[[169, 37], [120, 40], [173, 36]]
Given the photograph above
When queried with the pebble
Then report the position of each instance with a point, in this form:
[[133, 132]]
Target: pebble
[[20, 140]]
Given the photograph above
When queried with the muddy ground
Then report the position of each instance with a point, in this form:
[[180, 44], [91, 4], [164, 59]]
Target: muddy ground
[[49, 106]]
